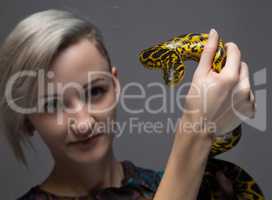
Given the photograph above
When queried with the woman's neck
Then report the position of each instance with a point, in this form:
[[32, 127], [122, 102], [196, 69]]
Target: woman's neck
[[77, 180]]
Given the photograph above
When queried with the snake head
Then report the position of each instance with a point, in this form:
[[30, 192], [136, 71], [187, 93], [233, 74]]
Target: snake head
[[151, 57], [162, 58]]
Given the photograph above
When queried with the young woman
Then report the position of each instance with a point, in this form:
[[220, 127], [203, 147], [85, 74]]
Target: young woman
[[51, 50]]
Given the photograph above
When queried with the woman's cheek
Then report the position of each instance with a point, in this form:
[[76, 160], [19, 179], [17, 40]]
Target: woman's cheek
[[50, 131]]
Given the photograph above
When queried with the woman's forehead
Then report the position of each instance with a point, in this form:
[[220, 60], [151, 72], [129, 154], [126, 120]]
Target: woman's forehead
[[75, 67], [77, 60]]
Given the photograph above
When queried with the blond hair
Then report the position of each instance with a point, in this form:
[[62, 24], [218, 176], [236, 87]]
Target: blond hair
[[32, 45]]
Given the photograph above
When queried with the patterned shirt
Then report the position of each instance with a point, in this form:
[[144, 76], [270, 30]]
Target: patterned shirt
[[222, 180], [138, 184]]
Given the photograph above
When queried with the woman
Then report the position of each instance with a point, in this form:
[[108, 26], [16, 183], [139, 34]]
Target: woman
[[69, 50]]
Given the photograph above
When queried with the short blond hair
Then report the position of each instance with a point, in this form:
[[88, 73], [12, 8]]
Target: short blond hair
[[32, 45]]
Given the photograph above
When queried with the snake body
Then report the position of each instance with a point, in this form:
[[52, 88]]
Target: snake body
[[169, 57]]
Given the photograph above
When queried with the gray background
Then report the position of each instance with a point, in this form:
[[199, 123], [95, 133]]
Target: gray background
[[129, 26]]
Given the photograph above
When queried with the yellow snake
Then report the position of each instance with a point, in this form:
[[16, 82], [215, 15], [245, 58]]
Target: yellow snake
[[169, 57]]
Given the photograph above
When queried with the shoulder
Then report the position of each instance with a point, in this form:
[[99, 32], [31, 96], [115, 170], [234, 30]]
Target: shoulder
[[33, 194], [144, 179]]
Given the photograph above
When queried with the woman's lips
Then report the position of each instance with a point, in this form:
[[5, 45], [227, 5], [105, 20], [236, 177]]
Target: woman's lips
[[88, 140]]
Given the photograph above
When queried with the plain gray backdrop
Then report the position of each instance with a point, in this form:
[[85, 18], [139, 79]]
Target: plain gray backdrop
[[129, 26]]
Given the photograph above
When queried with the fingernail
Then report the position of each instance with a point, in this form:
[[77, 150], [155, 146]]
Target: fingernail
[[212, 32]]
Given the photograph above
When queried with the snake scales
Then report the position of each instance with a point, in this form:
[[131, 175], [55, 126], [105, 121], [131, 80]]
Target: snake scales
[[169, 57]]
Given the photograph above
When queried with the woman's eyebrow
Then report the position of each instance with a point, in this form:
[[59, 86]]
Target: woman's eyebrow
[[85, 86]]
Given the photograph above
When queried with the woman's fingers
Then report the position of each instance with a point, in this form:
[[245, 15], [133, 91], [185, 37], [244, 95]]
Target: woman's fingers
[[242, 91], [252, 97], [208, 53], [252, 100], [232, 66], [216, 102], [246, 109], [231, 117], [244, 72]]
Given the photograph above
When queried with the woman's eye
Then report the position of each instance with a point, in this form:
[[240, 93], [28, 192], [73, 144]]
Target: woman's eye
[[96, 92]]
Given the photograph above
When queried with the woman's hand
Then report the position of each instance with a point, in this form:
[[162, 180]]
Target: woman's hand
[[242, 107], [215, 97], [208, 101]]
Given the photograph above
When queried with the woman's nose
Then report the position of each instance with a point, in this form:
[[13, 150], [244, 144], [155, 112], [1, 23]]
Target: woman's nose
[[82, 128], [82, 123]]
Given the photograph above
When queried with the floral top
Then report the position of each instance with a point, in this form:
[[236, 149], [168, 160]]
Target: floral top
[[222, 180], [138, 184]]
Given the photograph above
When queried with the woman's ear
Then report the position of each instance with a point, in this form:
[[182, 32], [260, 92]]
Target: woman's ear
[[114, 71], [116, 82]]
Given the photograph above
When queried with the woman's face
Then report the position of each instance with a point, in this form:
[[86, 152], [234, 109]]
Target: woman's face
[[92, 109]]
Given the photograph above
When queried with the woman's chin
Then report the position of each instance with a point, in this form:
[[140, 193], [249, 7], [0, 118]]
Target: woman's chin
[[92, 150]]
